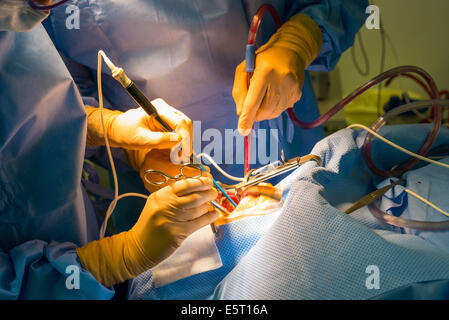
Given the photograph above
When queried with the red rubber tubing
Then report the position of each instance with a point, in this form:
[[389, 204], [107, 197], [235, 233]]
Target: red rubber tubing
[[254, 27], [258, 19], [340, 105], [429, 140]]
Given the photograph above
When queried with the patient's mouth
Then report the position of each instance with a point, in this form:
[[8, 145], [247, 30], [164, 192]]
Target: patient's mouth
[[257, 197]]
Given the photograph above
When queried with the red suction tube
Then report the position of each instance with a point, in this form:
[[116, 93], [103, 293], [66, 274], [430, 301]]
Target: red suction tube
[[252, 41]]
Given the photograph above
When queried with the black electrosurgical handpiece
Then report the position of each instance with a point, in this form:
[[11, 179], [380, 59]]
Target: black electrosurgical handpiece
[[138, 96], [143, 102], [120, 75]]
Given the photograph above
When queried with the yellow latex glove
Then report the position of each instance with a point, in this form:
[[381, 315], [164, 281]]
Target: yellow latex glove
[[279, 72], [136, 130], [170, 216]]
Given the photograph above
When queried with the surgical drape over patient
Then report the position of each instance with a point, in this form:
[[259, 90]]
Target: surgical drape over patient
[[311, 249]]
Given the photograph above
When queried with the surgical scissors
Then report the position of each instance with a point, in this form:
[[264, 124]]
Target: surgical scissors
[[158, 178]]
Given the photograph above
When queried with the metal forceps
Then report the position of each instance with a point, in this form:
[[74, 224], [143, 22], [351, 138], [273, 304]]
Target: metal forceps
[[271, 170], [376, 194]]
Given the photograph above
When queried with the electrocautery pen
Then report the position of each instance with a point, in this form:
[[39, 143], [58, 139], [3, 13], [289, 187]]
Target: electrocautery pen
[[137, 95], [119, 75]]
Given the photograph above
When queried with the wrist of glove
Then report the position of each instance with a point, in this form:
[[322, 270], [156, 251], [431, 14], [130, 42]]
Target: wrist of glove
[[95, 134], [136, 158], [113, 259], [301, 35]]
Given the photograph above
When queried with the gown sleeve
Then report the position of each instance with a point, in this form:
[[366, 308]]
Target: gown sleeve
[[39, 270], [339, 21]]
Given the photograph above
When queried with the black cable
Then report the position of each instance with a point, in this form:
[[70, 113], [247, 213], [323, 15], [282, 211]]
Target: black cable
[[359, 39], [382, 67]]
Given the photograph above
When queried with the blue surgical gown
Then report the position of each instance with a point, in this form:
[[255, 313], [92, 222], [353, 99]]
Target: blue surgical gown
[[44, 212], [186, 52]]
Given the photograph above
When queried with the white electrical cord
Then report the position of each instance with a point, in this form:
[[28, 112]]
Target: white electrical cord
[[108, 148], [394, 145], [227, 175], [417, 196]]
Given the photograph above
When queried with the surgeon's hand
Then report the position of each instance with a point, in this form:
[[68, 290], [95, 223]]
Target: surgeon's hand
[[170, 216], [136, 130], [279, 72]]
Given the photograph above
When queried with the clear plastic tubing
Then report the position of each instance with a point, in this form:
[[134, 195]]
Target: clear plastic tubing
[[436, 114], [268, 168], [435, 104], [407, 223], [397, 221]]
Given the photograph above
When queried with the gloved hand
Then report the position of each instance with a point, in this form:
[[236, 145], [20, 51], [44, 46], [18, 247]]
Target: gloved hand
[[279, 72], [136, 130], [170, 216]]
